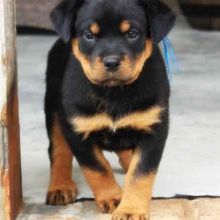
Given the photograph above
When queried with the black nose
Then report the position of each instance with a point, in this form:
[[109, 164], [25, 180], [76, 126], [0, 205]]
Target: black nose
[[112, 62]]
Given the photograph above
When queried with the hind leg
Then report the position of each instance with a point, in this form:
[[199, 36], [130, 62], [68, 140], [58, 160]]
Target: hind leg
[[62, 190], [125, 157]]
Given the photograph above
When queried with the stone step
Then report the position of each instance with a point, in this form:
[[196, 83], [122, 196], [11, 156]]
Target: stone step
[[161, 209]]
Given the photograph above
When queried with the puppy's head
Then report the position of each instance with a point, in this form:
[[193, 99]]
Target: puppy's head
[[112, 39]]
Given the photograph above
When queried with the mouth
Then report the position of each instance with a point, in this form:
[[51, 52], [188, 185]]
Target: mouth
[[111, 82]]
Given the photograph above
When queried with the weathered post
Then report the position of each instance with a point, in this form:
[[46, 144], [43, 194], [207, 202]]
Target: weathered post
[[10, 167]]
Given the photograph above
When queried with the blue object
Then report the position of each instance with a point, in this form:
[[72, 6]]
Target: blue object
[[170, 58]]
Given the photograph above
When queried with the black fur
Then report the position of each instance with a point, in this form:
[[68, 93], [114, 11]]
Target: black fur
[[69, 91]]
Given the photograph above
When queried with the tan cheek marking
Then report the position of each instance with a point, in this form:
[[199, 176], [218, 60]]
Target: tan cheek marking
[[85, 63], [138, 190], [143, 120], [125, 26], [90, 69], [126, 68], [144, 56], [95, 29], [140, 61], [83, 60], [98, 69]]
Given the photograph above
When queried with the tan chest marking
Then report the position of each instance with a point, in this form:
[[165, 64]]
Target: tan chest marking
[[140, 120]]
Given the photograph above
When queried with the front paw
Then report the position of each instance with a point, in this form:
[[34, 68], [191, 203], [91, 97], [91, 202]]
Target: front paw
[[61, 195], [109, 200], [129, 214]]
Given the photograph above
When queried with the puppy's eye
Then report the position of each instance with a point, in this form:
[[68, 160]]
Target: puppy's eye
[[133, 34], [89, 35]]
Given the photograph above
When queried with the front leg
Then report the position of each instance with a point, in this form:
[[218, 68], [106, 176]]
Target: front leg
[[103, 184], [137, 193], [99, 176], [140, 178]]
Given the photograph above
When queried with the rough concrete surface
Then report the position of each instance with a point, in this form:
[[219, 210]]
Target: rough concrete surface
[[191, 161], [172, 209]]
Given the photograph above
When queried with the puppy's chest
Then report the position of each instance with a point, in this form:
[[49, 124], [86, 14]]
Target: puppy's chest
[[102, 123]]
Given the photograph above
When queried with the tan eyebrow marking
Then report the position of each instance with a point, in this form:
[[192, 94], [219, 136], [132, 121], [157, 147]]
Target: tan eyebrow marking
[[125, 26], [95, 29]]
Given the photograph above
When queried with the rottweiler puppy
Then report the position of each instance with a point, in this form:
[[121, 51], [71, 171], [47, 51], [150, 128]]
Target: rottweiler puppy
[[107, 89]]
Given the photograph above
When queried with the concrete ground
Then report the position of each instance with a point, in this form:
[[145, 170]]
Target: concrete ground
[[173, 209], [191, 161]]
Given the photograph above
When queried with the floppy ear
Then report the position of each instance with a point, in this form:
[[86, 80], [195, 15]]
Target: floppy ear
[[160, 17], [62, 17]]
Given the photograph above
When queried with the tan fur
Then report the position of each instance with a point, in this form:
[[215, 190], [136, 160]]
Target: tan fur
[[95, 29], [137, 193], [85, 62], [61, 168], [128, 72], [103, 184], [125, 157], [123, 73], [126, 69], [98, 69], [141, 59], [87, 125], [125, 26], [141, 120]]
